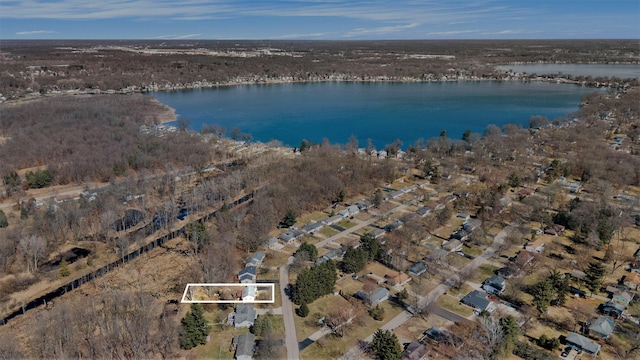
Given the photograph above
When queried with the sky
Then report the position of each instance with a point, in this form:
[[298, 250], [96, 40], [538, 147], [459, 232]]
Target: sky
[[320, 19]]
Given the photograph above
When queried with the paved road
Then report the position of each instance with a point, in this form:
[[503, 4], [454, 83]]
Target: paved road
[[439, 290], [290, 337]]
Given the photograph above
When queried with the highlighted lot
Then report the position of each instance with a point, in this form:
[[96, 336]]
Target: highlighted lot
[[229, 293]]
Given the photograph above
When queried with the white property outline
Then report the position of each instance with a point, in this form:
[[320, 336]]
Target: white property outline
[[272, 285]]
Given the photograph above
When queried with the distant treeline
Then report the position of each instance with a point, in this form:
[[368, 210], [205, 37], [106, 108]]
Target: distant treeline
[[46, 66]]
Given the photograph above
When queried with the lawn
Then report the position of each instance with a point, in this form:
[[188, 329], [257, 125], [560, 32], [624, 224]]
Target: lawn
[[346, 224], [376, 268], [348, 285], [315, 216], [457, 261], [219, 344], [473, 250], [317, 309], [275, 258], [412, 329], [484, 271], [453, 304], [332, 347], [460, 293], [328, 231]]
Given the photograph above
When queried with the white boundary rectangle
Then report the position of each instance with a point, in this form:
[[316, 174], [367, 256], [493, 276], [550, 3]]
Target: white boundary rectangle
[[271, 285]]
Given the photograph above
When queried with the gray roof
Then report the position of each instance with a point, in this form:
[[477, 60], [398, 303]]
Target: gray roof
[[312, 227], [471, 225], [245, 312], [418, 268], [248, 273], [255, 259], [245, 344], [423, 210], [496, 281], [477, 299], [379, 294], [583, 343], [290, 235], [603, 325]]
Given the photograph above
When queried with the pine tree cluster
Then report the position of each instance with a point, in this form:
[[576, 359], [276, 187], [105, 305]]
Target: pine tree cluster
[[314, 282], [194, 328]]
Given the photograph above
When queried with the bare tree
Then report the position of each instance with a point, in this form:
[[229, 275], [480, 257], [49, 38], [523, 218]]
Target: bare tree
[[33, 249]]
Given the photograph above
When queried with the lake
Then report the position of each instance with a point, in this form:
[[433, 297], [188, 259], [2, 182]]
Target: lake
[[622, 71], [382, 112]]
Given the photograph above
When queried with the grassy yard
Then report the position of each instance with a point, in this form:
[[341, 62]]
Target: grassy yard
[[346, 224], [484, 271], [453, 304], [328, 231], [376, 268], [412, 329], [348, 285], [315, 217], [317, 309], [457, 261], [219, 345], [332, 347], [460, 293], [275, 258], [473, 250]]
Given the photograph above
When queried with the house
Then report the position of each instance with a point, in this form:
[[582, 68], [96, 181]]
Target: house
[[331, 255], [602, 327], [423, 211], [508, 272], [332, 220], [525, 192], [363, 204], [622, 297], [397, 278], [249, 293], [376, 233], [494, 285], [312, 228], [418, 268], [290, 236], [245, 315], [415, 350], [632, 281], [460, 234], [535, 246], [439, 336], [255, 259], [464, 217], [245, 345], [612, 309], [378, 279], [524, 258], [248, 275], [379, 295], [580, 342], [555, 230], [395, 194], [471, 225], [479, 301], [452, 245], [394, 225]]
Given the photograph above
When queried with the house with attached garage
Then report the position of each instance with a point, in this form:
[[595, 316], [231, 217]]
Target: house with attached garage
[[418, 268], [248, 275], [245, 315], [495, 285], [479, 300], [632, 281], [582, 343], [312, 228], [536, 246], [379, 295], [255, 259]]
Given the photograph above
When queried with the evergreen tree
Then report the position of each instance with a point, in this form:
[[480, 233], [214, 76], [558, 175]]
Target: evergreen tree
[[466, 136], [385, 345], [510, 332], [354, 260], [3, 220], [377, 313], [194, 328], [289, 219], [560, 286], [370, 246], [542, 294], [595, 274], [341, 195], [314, 282], [310, 249], [303, 310]]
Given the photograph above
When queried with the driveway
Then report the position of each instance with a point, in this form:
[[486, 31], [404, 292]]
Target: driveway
[[290, 337]]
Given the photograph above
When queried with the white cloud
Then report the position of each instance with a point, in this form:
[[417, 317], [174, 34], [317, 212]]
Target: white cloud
[[379, 30], [455, 32], [35, 32], [300, 36], [513, 32], [178, 37]]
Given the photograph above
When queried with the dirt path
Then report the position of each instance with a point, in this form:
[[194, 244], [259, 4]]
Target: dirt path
[[291, 339]]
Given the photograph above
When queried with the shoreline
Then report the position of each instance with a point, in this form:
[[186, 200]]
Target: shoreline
[[167, 115]]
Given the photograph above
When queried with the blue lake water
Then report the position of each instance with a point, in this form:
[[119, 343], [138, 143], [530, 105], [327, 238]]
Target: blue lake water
[[381, 112], [622, 71]]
